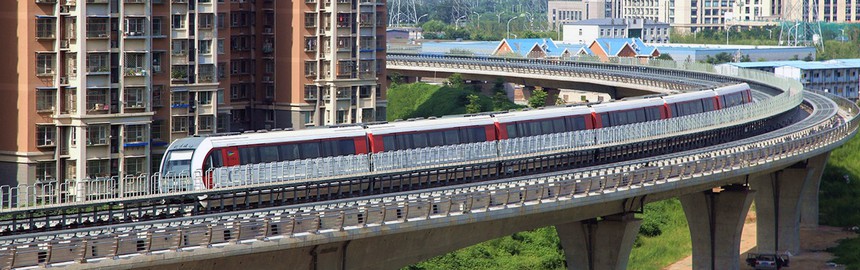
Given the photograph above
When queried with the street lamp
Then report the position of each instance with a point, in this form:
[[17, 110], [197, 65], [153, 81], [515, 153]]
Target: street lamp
[[418, 21], [457, 22], [509, 23], [499, 16], [478, 22]]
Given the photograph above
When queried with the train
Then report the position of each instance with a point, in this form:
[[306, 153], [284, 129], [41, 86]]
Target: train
[[205, 153]]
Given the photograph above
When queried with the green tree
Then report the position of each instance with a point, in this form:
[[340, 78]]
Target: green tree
[[474, 106], [538, 98], [434, 26], [665, 57], [456, 81], [808, 58], [746, 58]]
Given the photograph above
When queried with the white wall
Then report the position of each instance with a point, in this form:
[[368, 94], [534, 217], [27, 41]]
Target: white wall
[[571, 34]]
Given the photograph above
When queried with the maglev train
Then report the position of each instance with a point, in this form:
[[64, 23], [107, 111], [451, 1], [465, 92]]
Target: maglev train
[[203, 153]]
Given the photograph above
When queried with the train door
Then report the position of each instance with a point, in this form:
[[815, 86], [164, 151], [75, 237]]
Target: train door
[[231, 156]]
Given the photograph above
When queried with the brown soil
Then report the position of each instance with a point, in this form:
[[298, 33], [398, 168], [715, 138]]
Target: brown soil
[[813, 242]]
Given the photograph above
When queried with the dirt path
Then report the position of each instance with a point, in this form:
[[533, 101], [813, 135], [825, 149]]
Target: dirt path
[[813, 242]]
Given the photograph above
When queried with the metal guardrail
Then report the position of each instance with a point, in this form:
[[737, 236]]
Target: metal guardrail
[[94, 190], [291, 224]]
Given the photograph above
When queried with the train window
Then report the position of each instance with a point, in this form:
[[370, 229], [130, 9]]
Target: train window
[[604, 119], [388, 143], [473, 135], [310, 150], [708, 104], [578, 123], [436, 138], [653, 113], [639, 114], [216, 159], [289, 152], [621, 118], [269, 154], [347, 147], [452, 137], [512, 130], [546, 127], [404, 141], [248, 155], [419, 140], [559, 125], [674, 109], [329, 149]]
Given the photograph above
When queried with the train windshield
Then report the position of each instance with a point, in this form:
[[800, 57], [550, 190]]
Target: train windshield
[[178, 162]]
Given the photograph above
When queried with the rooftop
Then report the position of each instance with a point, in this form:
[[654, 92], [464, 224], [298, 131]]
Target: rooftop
[[829, 64]]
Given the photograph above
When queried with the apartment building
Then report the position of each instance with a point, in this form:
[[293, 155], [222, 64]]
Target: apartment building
[[586, 31], [560, 13], [837, 76], [99, 88]]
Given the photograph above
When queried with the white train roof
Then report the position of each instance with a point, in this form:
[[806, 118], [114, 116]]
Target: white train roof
[[287, 136], [690, 96], [627, 105], [542, 114], [732, 89], [431, 124]]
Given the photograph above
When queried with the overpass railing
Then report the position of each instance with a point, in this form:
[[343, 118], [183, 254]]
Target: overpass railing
[[94, 190], [293, 224]]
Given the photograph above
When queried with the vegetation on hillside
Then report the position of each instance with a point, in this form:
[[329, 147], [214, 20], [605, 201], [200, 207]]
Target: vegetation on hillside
[[839, 200], [455, 97], [663, 239]]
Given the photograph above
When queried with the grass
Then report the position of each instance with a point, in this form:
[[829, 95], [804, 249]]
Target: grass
[[839, 200], [671, 245]]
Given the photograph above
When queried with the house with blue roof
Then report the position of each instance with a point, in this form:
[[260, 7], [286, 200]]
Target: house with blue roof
[[526, 47], [622, 47]]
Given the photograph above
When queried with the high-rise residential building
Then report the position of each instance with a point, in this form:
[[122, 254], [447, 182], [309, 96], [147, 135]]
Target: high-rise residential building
[[98, 88], [586, 31], [561, 12]]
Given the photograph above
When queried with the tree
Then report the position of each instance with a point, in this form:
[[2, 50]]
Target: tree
[[746, 58], [808, 58], [665, 57], [456, 81], [538, 98], [474, 106]]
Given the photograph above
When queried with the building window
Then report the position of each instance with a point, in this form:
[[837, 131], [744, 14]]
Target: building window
[[156, 61], [156, 129], [220, 96], [134, 97], [179, 124], [180, 47], [178, 99], [135, 26], [97, 169], [341, 117], [135, 64], [134, 133], [97, 134], [310, 68], [204, 98], [310, 44], [308, 117], [97, 99], [45, 64], [45, 171], [206, 20], [221, 46], [219, 20], [98, 62], [156, 95], [156, 26], [310, 20], [45, 135], [206, 122], [178, 21], [134, 166], [205, 46], [97, 27], [45, 99], [45, 27], [310, 92]]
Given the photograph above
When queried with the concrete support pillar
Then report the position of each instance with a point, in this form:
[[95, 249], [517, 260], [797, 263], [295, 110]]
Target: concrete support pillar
[[809, 195], [778, 209], [598, 245], [716, 222]]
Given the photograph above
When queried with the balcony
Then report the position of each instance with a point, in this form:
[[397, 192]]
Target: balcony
[[46, 1], [97, 34], [207, 78], [135, 1], [97, 1], [135, 71], [98, 70]]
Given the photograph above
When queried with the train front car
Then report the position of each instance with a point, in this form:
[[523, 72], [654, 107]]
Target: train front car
[[181, 165]]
